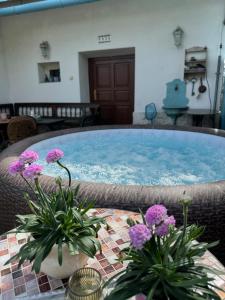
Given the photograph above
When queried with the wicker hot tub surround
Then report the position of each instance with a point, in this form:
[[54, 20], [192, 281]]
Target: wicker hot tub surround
[[208, 206]]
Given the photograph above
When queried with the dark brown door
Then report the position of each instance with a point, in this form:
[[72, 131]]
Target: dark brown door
[[112, 86]]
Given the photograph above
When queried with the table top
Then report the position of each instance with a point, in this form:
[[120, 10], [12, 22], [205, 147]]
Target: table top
[[200, 111], [40, 121], [5, 121], [15, 283], [49, 121]]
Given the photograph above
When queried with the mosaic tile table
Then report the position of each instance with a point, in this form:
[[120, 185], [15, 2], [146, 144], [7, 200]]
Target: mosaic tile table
[[18, 283]]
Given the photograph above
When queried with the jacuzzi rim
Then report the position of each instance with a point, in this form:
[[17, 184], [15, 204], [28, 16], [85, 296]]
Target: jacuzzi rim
[[12, 152]]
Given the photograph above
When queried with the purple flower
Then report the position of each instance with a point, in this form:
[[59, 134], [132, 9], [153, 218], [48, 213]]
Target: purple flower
[[16, 167], [163, 229], [155, 214], [32, 171], [54, 155], [139, 235], [28, 157]]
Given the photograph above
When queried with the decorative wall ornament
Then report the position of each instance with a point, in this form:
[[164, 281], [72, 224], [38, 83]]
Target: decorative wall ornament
[[178, 34], [105, 38], [45, 49]]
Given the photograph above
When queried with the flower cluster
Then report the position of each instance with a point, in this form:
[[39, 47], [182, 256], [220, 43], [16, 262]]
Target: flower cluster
[[32, 171], [54, 155], [155, 214], [28, 157], [157, 223], [163, 229], [139, 234], [26, 166]]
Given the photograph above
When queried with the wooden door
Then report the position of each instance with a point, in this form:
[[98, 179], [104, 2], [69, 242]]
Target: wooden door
[[112, 87]]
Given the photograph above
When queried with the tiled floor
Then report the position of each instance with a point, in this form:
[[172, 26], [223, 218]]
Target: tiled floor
[[15, 282]]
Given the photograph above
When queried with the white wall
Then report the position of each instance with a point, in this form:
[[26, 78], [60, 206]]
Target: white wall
[[84, 78], [4, 91], [146, 25]]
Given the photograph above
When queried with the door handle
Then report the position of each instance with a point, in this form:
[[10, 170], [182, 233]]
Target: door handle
[[95, 94]]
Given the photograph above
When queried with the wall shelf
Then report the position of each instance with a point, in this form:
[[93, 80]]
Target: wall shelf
[[49, 72], [195, 63], [196, 49], [195, 71]]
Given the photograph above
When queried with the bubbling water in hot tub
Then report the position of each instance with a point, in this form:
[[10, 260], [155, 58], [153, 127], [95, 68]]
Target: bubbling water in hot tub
[[138, 156]]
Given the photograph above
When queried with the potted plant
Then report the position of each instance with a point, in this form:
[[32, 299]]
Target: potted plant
[[61, 234], [163, 261]]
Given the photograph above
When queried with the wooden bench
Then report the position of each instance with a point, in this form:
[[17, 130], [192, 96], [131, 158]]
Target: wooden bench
[[75, 114]]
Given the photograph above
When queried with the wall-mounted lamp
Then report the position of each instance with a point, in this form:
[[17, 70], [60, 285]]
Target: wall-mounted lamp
[[45, 49], [178, 36]]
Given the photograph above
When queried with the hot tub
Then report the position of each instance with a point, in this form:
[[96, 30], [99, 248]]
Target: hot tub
[[131, 167]]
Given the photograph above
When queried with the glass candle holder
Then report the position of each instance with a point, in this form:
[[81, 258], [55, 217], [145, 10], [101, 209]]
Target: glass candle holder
[[85, 284]]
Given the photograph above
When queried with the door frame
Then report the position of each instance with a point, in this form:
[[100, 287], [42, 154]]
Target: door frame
[[113, 57]]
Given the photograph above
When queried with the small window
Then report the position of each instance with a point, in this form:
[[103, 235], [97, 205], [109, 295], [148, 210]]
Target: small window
[[49, 72]]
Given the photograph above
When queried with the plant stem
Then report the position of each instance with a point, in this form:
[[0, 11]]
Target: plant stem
[[67, 170], [186, 201], [159, 248], [40, 192], [185, 218], [43, 199], [33, 192], [28, 183], [185, 212]]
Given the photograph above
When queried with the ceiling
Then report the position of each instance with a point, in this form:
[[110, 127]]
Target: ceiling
[[9, 3], [15, 7]]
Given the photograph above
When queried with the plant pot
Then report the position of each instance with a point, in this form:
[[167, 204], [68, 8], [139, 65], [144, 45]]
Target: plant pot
[[140, 297], [70, 263]]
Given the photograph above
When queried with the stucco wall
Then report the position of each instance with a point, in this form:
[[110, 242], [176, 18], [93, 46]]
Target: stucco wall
[[4, 90], [146, 25]]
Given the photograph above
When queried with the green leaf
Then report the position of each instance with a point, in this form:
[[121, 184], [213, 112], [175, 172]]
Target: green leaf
[[87, 246], [73, 248], [152, 290], [60, 258]]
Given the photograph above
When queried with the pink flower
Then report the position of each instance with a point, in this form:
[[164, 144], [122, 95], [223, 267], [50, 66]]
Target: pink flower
[[54, 155], [16, 167], [32, 171], [163, 229], [139, 235], [155, 214], [28, 157]]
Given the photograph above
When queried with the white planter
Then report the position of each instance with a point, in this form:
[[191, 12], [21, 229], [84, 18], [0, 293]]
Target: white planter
[[141, 297], [70, 263]]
